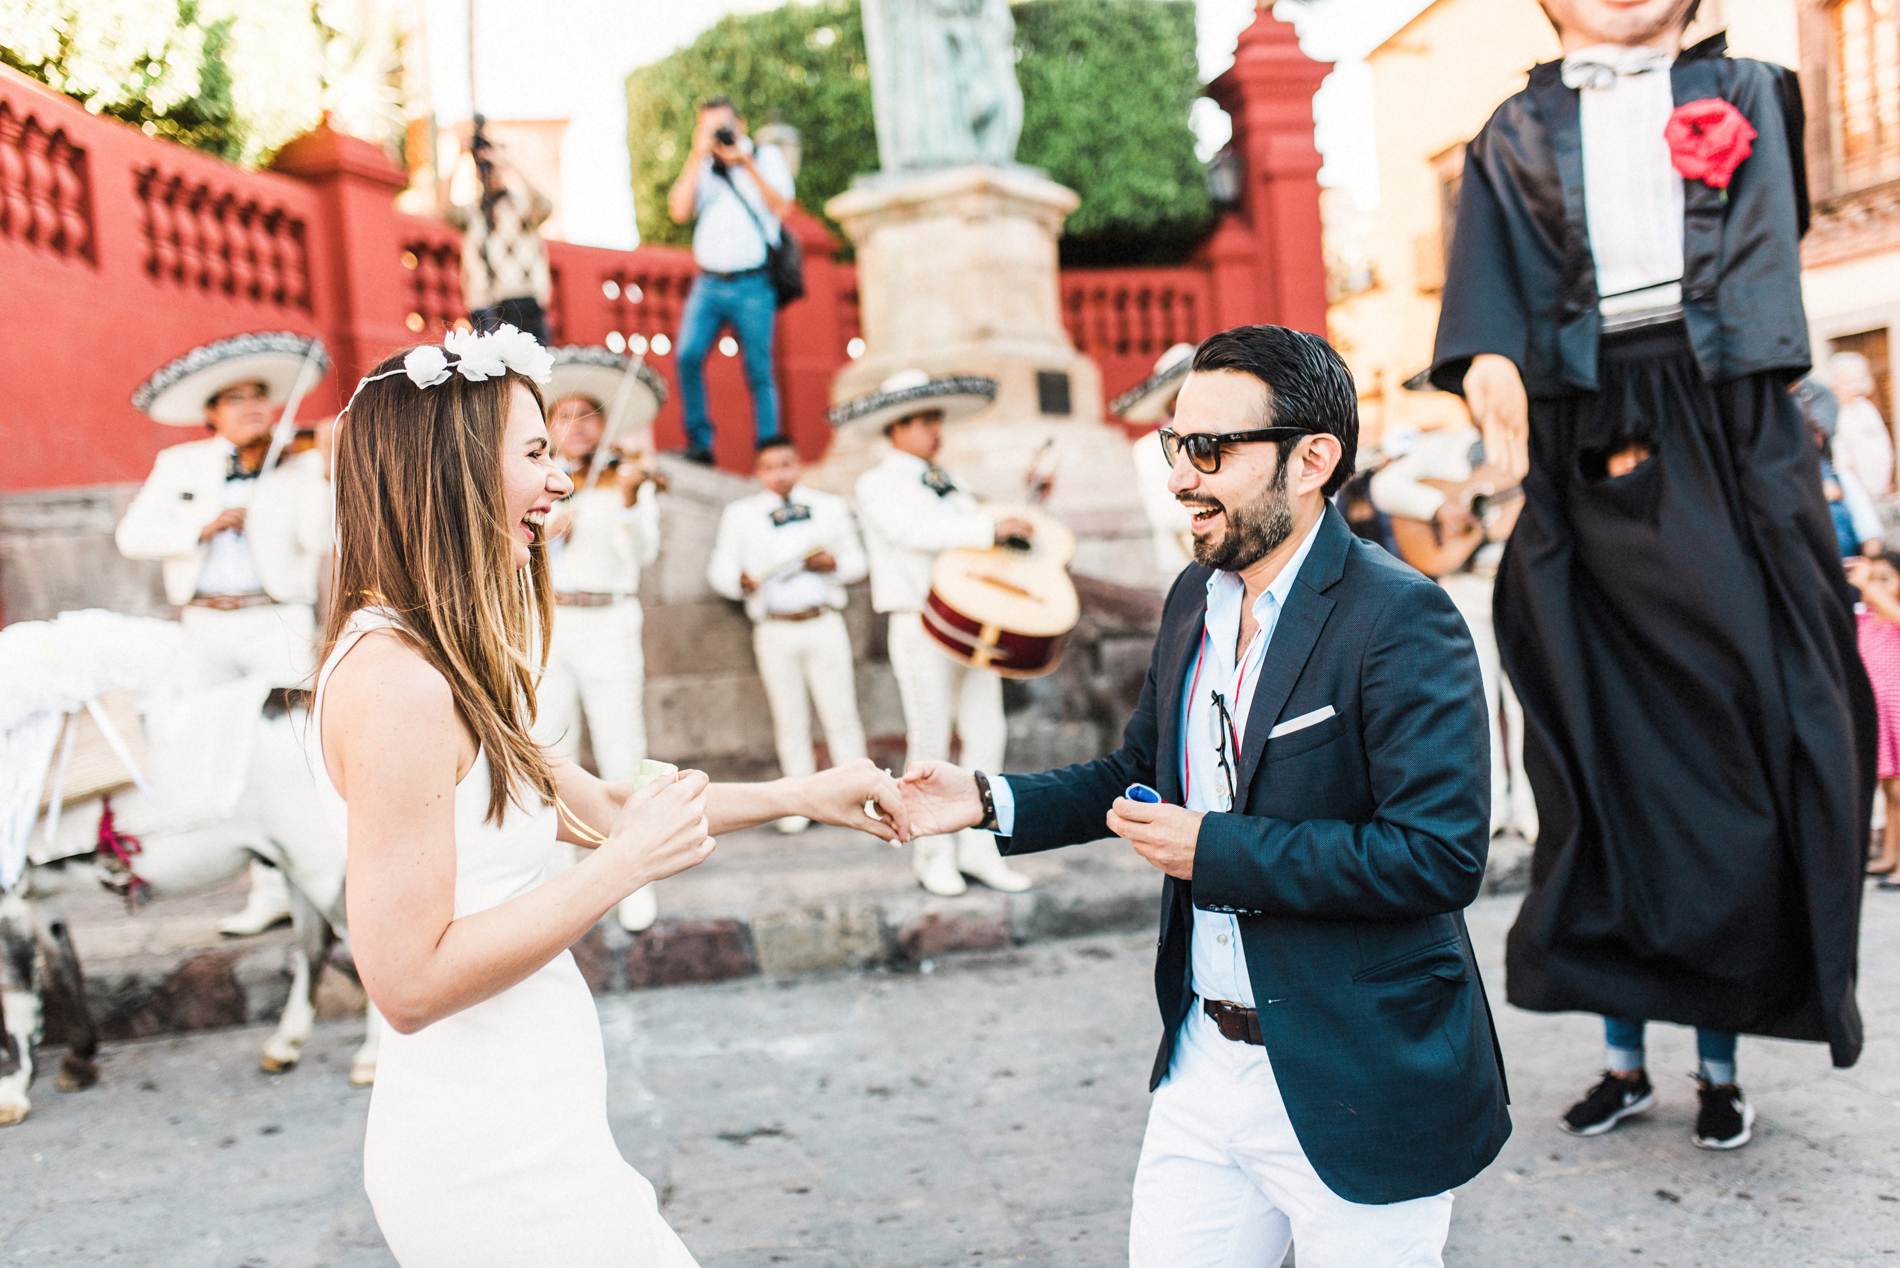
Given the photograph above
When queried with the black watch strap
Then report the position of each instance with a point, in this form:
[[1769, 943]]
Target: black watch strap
[[989, 823]]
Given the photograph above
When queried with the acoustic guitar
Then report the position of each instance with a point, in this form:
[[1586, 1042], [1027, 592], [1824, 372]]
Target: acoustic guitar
[[1010, 608], [1494, 501]]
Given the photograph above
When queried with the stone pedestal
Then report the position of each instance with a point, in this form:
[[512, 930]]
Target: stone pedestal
[[957, 274]]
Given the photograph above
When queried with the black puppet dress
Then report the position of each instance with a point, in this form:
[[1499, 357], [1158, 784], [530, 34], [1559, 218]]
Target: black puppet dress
[[1699, 729]]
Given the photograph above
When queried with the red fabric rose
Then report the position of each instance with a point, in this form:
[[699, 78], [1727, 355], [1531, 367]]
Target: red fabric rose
[[1708, 140]]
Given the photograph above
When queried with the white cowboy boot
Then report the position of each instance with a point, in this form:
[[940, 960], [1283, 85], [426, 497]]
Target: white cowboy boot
[[935, 860], [977, 856], [638, 910], [268, 905]]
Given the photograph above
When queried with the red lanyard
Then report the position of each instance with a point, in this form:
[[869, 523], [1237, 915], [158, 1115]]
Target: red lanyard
[[1240, 680]]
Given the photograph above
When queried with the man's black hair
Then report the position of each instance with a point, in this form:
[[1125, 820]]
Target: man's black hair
[[780, 441], [713, 103], [1307, 385]]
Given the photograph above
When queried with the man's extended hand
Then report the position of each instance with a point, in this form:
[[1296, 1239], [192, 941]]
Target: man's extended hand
[[1494, 392], [941, 798], [1164, 835]]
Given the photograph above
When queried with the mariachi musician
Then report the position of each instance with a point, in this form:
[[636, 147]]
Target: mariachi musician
[[242, 540], [912, 510], [601, 405], [1419, 491], [1151, 401], [788, 552]]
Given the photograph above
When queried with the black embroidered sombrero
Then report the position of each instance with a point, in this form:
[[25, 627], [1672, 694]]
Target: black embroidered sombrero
[[177, 394], [914, 392], [1151, 400]]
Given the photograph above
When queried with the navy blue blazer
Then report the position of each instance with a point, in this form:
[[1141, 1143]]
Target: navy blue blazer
[[1363, 839]]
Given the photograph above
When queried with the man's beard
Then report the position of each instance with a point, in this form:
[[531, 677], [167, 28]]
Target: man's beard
[[1253, 532]]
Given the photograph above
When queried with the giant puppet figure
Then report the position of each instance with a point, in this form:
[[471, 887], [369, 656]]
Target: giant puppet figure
[[1623, 312]]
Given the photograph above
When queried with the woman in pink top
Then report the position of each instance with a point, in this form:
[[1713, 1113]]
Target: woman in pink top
[[1878, 580]]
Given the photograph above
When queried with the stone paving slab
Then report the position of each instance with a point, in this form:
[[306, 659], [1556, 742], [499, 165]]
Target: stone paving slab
[[987, 1111]]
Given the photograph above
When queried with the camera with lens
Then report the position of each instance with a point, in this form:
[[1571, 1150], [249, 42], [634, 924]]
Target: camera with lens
[[726, 136]]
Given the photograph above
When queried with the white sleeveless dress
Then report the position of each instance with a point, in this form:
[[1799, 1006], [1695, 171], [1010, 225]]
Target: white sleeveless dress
[[487, 1141]]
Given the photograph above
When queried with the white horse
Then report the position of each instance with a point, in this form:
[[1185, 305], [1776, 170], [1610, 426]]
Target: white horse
[[190, 842]]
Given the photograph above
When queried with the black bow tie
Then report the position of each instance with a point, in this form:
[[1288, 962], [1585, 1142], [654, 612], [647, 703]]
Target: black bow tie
[[790, 513], [938, 481], [234, 469]]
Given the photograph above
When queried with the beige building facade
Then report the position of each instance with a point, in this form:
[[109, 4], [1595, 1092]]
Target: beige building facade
[[1437, 80]]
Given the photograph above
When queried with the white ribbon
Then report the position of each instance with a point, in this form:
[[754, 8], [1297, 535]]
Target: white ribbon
[[1601, 65]]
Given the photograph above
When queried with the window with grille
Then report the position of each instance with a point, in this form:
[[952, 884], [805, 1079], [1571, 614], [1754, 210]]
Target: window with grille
[[1866, 91]]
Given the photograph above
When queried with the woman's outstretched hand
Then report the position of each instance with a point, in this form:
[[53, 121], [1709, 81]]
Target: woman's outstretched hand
[[857, 795], [941, 798], [660, 831]]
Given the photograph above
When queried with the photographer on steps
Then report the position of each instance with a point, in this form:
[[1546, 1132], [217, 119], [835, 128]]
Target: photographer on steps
[[738, 195]]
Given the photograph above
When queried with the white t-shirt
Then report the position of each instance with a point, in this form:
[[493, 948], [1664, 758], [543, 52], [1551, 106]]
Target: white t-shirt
[[726, 238]]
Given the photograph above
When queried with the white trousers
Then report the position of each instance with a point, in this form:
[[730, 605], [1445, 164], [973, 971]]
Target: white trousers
[[1511, 799], [807, 663], [941, 695], [275, 643], [595, 662], [1223, 1182]]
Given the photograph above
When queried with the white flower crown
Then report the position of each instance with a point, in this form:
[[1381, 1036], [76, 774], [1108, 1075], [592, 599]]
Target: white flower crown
[[478, 357]]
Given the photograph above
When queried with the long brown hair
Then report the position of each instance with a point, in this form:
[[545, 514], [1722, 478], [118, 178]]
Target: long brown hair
[[422, 531]]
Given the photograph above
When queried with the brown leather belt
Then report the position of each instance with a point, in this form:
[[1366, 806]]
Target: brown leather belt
[[583, 599], [1242, 1025], [230, 602], [806, 615]]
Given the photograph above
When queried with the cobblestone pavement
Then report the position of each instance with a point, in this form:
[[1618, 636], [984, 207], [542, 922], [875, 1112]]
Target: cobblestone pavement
[[987, 1111]]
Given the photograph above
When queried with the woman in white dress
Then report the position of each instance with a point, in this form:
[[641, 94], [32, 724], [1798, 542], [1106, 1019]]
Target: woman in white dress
[[487, 1141]]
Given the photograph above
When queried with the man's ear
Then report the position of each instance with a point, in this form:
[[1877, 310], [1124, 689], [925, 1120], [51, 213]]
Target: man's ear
[[1321, 457]]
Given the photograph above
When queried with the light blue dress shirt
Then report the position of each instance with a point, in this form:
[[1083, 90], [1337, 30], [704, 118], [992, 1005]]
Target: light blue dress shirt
[[1218, 967]]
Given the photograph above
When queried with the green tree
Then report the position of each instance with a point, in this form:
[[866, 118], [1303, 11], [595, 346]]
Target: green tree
[[1106, 89], [235, 78]]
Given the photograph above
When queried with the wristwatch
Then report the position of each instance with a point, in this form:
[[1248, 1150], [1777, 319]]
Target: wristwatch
[[989, 823]]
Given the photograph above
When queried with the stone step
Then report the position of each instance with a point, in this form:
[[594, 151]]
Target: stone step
[[764, 903]]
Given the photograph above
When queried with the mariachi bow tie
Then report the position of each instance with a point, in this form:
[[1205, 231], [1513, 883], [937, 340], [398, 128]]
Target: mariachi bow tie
[[938, 481], [790, 513], [234, 468], [1601, 66]]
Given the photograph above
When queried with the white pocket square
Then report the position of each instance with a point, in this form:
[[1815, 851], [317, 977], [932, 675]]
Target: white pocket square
[[1300, 723]]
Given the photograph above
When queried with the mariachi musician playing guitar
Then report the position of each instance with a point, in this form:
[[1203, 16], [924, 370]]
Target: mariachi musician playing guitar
[[1451, 514]]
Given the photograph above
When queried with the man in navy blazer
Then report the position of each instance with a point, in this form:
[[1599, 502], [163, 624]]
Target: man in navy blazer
[[1314, 723]]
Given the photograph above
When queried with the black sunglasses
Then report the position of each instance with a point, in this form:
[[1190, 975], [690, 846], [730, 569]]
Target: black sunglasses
[[1204, 448]]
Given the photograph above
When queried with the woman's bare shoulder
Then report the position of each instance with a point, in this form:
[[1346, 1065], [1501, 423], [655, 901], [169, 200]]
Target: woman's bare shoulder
[[384, 677]]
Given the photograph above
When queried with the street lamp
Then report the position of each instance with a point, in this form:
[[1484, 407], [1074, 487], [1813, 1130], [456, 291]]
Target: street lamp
[[1223, 180]]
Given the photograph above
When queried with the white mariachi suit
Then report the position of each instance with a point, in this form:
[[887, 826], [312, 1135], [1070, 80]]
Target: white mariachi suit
[[245, 652], [912, 511], [595, 660], [798, 631], [286, 536], [1447, 455]]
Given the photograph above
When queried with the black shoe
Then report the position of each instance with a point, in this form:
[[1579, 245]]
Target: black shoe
[[1607, 1104], [703, 457], [1726, 1119]]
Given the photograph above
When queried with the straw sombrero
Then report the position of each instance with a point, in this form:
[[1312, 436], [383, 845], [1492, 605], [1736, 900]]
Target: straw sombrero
[[913, 392], [1150, 400], [177, 394], [586, 370]]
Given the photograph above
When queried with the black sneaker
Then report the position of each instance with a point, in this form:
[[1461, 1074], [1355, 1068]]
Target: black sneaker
[[1726, 1118], [1607, 1104], [699, 457]]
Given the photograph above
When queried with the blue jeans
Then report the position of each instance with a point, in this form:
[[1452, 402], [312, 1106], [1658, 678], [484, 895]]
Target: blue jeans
[[1624, 1037], [746, 301]]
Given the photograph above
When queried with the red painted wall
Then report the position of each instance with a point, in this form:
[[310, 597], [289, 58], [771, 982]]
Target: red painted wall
[[120, 252]]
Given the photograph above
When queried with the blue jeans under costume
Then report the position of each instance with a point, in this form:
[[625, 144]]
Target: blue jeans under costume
[[1624, 1037], [747, 302]]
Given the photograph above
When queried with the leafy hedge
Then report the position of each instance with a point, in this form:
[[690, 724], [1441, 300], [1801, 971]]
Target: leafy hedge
[[1106, 89]]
